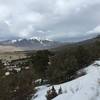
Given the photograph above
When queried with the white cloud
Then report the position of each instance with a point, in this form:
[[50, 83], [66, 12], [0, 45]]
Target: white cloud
[[95, 30], [26, 33], [4, 12], [71, 17]]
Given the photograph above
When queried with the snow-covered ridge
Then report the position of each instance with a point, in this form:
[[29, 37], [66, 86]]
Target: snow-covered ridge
[[13, 41], [32, 38], [86, 87], [33, 43]]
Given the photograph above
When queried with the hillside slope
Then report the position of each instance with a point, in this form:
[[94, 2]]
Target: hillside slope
[[86, 87], [88, 42]]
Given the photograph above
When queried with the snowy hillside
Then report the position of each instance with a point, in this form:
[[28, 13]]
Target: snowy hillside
[[86, 87]]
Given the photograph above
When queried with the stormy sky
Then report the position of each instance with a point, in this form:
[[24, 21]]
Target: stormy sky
[[52, 19]]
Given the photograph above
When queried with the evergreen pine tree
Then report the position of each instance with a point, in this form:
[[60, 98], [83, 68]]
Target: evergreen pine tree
[[60, 91]]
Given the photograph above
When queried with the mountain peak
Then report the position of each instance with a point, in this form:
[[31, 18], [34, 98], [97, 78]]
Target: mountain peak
[[33, 43]]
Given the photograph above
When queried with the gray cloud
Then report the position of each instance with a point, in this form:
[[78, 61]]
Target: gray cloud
[[53, 19]]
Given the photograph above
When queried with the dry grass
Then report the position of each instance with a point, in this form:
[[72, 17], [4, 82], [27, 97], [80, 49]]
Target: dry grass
[[9, 49], [11, 53]]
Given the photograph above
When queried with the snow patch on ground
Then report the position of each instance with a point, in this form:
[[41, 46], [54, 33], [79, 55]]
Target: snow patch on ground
[[86, 87]]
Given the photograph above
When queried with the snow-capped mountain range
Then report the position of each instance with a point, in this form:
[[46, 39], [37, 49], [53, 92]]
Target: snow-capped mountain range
[[33, 43]]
